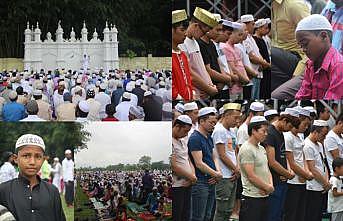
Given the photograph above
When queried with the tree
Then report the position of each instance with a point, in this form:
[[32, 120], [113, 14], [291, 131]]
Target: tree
[[144, 162], [140, 23], [57, 136]]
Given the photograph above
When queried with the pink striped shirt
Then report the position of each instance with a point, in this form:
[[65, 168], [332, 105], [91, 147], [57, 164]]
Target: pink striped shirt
[[327, 82]]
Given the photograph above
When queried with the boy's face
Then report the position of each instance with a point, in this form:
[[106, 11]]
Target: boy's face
[[216, 32], [30, 160], [236, 36], [312, 45], [179, 34]]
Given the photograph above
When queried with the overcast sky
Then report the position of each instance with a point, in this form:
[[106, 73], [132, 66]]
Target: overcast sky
[[125, 142]]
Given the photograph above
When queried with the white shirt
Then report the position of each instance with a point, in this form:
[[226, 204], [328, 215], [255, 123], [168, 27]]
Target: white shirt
[[32, 118], [221, 135], [251, 46], [242, 134], [7, 172], [103, 99], [81, 119], [222, 61], [332, 142], [122, 111], [180, 151], [295, 144], [314, 151], [160, 92], [335, 204], [68, 170], [94, 109], [58, 98]]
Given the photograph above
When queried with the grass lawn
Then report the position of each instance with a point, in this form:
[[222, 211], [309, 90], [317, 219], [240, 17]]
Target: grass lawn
[[83, 212], [69, 212]]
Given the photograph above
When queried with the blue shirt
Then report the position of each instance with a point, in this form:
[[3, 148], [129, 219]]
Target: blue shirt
[[198, 142], [335, 17], [13, 111]]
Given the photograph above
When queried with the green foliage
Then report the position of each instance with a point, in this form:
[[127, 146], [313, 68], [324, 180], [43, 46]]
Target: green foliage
[[130, 54], [143, 26], [57, 136]]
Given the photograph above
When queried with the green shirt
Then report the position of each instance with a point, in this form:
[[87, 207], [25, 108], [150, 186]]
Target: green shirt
[[250, 154], [46, 170]]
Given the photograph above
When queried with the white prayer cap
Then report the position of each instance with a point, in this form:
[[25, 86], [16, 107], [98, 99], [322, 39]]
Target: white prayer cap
[[270, 112], [185, 119], [206, 110], [260, 22], [190, 106], [268, 20], [61, 83], [226, 23], [129, 87], [221, 110], [311, 109], [147, 93], [127, 95], [84, 106], [258, 119], [218, 17], [77, 88], [137, 111], [56, 159], [292, 111], [30, 139], [303, 111], [103, 86], [314, 22], [179, 107], [162, 83], [37, 93], [67, 151], [247, 18], [256, 106], [133, 78], [12, 95], [320, 123], [167, 107], [39, 86], [237, 25], [78, 81], [139, 82]]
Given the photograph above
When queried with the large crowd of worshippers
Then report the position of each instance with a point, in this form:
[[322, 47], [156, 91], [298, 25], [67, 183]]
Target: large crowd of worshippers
[[67, 95], [285, 163], [110, 191]]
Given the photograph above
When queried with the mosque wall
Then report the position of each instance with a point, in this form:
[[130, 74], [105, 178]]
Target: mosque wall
[[153, 63]]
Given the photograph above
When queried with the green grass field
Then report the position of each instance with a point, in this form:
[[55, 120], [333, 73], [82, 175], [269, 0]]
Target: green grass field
[[83, 212], [69, 212]]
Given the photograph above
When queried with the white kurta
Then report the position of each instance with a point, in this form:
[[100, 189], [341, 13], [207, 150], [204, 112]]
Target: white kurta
[[57, 172]]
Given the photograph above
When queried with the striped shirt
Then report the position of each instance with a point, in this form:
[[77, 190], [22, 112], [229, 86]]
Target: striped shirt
[[326, 82], [335, 16]]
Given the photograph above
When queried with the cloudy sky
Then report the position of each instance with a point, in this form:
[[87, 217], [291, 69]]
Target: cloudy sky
[[125, 142]]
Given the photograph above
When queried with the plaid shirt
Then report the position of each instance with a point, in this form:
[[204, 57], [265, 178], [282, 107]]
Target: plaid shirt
[[327, 82], [335, 16]]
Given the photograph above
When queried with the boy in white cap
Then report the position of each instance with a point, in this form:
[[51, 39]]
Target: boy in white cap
[[28, 197], [256, 178], [183, 170], [314, 156], [261, 30], [68, 177], [191, 109], [257, 61], [207, 169], [323, 76], [295, 204], [271, 115], [224, 150]]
